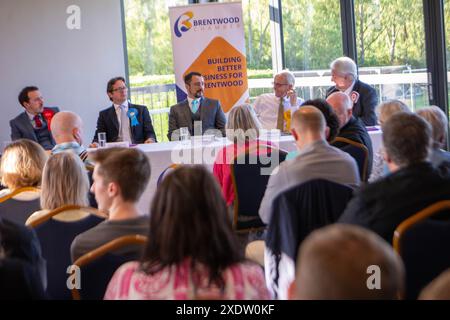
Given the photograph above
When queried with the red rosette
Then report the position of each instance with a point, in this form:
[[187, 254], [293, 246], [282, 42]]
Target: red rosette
[[48, 115]]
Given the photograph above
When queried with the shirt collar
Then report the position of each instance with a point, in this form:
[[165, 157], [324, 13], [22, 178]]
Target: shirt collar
[[66, 146], [125, 103], [350, 89], [30, 116], [310, 147]]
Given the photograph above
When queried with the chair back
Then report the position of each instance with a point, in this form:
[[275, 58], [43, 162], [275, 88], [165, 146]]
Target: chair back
[[56, 238], [423, 241], [250, 173], [359, 152], [16, 210], [98, 266], [296, 213]]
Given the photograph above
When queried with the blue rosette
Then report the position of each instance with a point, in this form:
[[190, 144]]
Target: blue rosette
[[132, 114]]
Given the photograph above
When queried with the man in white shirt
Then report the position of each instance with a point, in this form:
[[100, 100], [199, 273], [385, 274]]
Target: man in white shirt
[[274, 110]]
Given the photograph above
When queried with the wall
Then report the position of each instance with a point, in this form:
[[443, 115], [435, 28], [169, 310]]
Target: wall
[[71, 67]]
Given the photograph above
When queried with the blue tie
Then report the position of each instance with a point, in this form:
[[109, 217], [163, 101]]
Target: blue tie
[[195, 105]]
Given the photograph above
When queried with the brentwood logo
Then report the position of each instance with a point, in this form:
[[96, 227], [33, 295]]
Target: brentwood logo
[[183, 23]]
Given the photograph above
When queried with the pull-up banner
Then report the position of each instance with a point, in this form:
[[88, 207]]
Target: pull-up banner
[[209, 38]]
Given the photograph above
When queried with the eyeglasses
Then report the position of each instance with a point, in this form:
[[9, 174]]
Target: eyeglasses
[[119, 89]]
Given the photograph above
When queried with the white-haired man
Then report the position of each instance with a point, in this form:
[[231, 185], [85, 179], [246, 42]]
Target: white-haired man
[[344, 74], [274, 110]]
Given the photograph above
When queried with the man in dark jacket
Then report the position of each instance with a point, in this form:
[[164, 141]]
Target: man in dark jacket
[[413, 185]]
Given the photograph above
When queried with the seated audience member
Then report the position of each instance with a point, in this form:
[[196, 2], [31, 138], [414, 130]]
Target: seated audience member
[[192, 252], [331, 119], [21, 166], [413, 184], [34, 122], [243, 130], [341, 262], [21, 244], [316, 160], [124, 121], [344, 74], [67, 131], [18, 279], [439, 130], [274, 110], [385, 110], [195, 108], [120, 177], [64, 182], [350, 127], [438, 289]]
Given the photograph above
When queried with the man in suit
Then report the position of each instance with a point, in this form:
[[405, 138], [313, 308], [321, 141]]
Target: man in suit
[[34, 122], [195, 108], [345, 75], [124, 121]]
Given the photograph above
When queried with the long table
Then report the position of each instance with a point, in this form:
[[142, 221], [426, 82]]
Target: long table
[[162, 155]]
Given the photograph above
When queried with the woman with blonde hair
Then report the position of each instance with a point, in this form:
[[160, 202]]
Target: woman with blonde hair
[[243, 128], [384, 111], [64, 182], [21, 166]]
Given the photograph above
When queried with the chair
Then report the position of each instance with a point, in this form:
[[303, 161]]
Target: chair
[[55, 238], [165, 172], [17, 210], [359, 152], [249, 186], [295, 213], [422, 241], [98, 266]]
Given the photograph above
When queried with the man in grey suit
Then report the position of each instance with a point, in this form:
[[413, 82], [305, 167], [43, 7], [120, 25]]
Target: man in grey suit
[[34, 122], [195, 108]]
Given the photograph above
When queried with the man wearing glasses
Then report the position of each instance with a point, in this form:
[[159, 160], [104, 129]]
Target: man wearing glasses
[[124, 121], [345, 76], [195, 109], [274, 110]]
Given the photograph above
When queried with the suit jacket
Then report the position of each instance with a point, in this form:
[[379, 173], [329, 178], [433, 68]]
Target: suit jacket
[[108, 122], [211, 115], [21, 127], [365, 107]]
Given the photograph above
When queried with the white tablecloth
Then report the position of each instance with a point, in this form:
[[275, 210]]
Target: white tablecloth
[[163, 154]]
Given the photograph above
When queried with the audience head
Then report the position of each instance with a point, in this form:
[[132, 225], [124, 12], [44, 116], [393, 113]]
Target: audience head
[[388, 108], [308, 126], [342, 106], [189, 219], [67, 127], [342, 262], [283, 82], [31, 99], [343, 72], [438, 289], [331, 119], [119, 174], [117, 90], [406, 139], [438, 122], [64, 182], [195, 84], [22, 163], [242, 124]]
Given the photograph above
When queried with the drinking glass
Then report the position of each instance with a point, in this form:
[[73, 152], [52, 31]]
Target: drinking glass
[[102, 139]]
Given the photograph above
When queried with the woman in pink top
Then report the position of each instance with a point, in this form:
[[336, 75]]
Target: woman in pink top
[[245, 132], [192, 251]]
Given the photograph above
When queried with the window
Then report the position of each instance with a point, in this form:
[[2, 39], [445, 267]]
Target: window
[[390, 41]]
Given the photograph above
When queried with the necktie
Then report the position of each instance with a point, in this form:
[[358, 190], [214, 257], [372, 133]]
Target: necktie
[[280, 119], [37, 121], [195, 105], [124, 134]]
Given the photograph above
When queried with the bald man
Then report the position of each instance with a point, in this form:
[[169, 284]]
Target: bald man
[[350, 127], [316, 159], [347, 262], [67, 131]]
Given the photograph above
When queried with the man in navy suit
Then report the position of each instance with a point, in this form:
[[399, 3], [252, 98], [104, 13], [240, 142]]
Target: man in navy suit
[[345, 75], [124, 121], [194, 109], [34, 122]]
